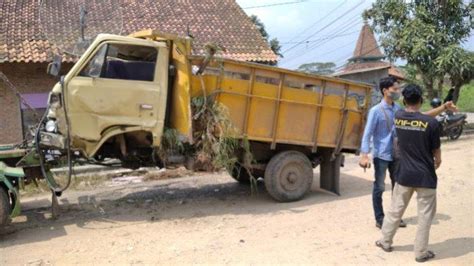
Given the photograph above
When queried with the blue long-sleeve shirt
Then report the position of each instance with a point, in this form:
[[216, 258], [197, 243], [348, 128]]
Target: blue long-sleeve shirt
[[377, 130]]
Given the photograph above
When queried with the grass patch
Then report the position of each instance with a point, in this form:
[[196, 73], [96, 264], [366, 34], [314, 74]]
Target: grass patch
[[466, 98]]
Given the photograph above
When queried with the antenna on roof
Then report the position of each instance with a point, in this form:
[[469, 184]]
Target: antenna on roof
[[72, 25]]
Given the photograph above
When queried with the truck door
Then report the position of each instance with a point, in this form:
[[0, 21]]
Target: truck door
[[121, 84]]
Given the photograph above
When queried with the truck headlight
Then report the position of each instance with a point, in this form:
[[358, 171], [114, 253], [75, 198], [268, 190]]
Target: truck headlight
[[51, 126]]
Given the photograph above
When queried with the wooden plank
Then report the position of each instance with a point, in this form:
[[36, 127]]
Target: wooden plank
[[248, 101], [277, 111], [317, 118], [342, 126], [363, 115]]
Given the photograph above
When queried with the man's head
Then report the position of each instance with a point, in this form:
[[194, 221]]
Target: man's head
[[413, 96], [390, 88]]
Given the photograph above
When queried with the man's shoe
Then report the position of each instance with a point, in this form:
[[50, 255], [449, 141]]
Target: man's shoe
[[429, 255], [402, 224], [384, 248]]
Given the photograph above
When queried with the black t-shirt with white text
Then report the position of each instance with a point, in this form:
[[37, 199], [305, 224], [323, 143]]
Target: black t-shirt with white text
[[418, 135]]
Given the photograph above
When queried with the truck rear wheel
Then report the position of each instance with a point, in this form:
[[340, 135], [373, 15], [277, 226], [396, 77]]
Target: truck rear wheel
[[288, 176], [5, 207]]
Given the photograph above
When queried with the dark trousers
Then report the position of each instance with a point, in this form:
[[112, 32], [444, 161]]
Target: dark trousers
[[380, 167]]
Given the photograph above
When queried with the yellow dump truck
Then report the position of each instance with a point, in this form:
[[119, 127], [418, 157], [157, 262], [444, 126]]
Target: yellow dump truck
[[123, 92]]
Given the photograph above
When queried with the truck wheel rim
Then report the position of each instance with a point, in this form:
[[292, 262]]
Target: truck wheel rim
[[291, 177]]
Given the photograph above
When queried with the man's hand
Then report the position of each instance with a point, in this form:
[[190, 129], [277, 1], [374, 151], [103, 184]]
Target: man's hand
[[451, 106], [364, 161]]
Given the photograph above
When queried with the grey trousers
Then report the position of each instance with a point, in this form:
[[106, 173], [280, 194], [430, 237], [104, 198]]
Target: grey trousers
[[426, 201]]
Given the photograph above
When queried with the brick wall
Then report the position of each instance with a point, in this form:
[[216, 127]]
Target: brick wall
[[27, 78]]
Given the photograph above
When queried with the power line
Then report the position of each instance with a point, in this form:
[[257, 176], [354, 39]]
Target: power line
[[344, 27], [323, 38], [317, 22], [339, 30], [327, 25], [336, 49], [276, 4], [311, 48]]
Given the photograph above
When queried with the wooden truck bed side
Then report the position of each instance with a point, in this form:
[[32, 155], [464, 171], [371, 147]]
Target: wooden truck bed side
[[276, 105]]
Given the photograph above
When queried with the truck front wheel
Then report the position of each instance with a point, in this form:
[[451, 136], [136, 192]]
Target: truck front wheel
[[288, 176], [5, 207]]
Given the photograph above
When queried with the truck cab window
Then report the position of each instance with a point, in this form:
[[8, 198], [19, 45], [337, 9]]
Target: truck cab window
[[121, 61]]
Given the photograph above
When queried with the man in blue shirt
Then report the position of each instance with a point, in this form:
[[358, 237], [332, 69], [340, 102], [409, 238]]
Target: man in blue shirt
[[380, 128]]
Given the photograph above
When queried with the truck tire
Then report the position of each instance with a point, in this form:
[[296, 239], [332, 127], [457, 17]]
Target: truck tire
[[288, 176], [5, 207]]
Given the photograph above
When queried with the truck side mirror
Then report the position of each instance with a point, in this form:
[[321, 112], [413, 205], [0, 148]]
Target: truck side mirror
[[54, 68]]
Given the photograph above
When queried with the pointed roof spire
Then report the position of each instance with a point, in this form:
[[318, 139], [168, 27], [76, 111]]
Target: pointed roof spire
[[367, 47]]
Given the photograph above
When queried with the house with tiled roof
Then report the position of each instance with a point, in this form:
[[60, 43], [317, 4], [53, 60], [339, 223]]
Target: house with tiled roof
[[367, 63], [25, 50]]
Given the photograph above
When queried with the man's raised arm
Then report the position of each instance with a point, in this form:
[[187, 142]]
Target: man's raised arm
[[438, 110]]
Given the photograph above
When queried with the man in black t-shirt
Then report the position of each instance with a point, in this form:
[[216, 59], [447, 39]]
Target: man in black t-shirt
[[420, 154]]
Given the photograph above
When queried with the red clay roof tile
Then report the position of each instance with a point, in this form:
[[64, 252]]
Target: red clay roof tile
[[218, 21]]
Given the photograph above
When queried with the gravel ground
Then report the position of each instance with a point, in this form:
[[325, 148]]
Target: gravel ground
[[209, 218]]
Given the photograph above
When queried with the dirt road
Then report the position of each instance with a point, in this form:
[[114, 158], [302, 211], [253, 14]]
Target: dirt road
[[212, 219]]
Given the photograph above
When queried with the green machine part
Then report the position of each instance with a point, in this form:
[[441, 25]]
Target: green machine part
[[7, 174]]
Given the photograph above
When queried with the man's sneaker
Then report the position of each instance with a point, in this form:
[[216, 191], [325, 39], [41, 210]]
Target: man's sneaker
[[402, 224]]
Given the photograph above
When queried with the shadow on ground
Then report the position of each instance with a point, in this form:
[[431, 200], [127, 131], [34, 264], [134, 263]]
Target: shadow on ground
[[157, 201], [450, 248], [438, 217]]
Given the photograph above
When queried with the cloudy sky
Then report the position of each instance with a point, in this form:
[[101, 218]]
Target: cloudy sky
[[314, 30]]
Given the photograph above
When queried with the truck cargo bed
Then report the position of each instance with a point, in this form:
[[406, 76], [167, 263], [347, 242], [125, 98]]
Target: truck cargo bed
[[280, 106]]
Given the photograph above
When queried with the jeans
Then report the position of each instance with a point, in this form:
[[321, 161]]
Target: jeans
[[380, 167]]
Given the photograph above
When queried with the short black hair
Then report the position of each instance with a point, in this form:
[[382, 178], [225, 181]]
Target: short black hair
[[386, 83], [412, 94]]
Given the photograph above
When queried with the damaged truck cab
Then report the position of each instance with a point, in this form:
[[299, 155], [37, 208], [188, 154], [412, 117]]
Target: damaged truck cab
[[112, 102]]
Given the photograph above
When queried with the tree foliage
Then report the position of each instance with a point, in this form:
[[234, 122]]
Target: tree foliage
[[273, 43], [260, 26], [321, 68], [458, 63], [275, 46], [419, 31]]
